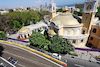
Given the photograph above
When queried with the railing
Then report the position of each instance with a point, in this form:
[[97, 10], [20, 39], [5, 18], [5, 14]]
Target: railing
[[6, 63], [84, 49], [18, 40], [74, 37]]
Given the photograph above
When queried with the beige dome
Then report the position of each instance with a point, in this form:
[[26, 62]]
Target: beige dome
[[52, 32], [65, 19], [23, 30]]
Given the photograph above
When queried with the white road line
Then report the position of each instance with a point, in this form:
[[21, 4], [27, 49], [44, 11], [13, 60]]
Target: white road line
[[15, 48], [21, 65], [78, 65], [27, 59]]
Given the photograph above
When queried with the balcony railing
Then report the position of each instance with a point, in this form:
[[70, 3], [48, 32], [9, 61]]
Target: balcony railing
[[74, 36]]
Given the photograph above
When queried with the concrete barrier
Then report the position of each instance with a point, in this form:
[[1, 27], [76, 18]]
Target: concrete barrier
[[60, 62]]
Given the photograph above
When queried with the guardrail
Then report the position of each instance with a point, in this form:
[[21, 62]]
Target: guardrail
[[96, 50], [18, 40], [6, 63], [84, 49]]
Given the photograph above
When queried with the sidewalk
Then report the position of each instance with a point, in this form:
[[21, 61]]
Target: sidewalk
[[85, 55]]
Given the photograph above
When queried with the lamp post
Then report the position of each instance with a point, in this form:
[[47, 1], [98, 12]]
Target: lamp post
[[90, 56], [81, 55], [87, 52]]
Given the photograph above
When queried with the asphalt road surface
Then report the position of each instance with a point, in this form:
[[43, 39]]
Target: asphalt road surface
[[25, 59], [72, 62]]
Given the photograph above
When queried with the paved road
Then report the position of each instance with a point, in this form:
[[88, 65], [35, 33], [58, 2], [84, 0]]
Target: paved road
[[25, 59], [72, 62]]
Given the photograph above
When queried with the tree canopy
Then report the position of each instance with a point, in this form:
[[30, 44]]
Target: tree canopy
[[78, 13], [2, 34], [37, 39], [60, 10], [60, 45], [6, 20], [17, 24]]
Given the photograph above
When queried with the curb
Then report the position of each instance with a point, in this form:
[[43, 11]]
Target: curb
[[49, 57]]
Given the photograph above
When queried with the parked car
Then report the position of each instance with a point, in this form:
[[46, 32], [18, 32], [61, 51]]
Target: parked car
[[97, 58], [57, 56]]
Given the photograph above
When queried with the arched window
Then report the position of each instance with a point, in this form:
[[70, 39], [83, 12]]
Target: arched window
[[28, 35], [66, 32], [25, 36], [78, 31], [84, 32], [72, 32], [94, 30], [86, 19]]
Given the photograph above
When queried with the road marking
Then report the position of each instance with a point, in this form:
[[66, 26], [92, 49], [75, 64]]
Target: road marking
[[78, 65], [15, 48], [21, 65], [37, 62], [34, 54]]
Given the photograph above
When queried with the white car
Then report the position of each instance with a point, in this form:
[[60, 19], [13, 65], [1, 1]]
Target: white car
[[57, 56]]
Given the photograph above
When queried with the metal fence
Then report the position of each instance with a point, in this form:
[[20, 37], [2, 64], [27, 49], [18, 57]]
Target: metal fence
[[5, 63], [84, 49]]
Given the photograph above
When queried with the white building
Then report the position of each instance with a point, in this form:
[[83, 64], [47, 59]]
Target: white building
[[26, 31]]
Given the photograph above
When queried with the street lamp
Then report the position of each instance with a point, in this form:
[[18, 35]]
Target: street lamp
[[87, 52], [90, 56], [81, 55]]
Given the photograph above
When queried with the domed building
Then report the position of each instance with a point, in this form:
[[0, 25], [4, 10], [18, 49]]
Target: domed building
[[26, 31], [70, 26]]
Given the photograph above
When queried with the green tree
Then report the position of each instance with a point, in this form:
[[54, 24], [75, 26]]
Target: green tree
[[10, 10], [60, 10], [17, 24], [98, 13], [42, 13], [2, 35], [37, 39], [78, 13], [59, 45]]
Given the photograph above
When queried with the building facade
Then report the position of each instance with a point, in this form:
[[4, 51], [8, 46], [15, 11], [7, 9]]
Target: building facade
[[26, 31], [94, 38], [68, 26]]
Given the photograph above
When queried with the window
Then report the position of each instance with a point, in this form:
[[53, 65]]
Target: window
[[53, 8], [25, 36], [86, 19], [91, 38], [94, 30], [82, 41], [78, 31], [73, 41], [28, 35], [66, 31], [72, 32], [83, 32]]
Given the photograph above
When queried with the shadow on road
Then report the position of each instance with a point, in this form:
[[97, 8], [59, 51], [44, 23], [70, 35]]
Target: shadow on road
[[1, 50]]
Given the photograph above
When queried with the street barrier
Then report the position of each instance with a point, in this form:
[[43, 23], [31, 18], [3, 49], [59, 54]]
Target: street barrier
[[60, 62], [96, 50], [18, 40], [6, 63]]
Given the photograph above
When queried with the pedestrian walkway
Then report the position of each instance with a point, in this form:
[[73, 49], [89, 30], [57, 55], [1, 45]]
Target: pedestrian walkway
[[86, 55]]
